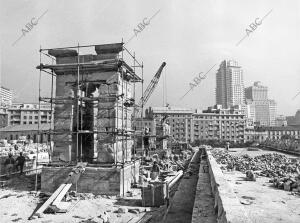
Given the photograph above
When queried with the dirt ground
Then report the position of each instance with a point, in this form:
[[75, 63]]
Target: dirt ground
[[18, 203], [263, 202]]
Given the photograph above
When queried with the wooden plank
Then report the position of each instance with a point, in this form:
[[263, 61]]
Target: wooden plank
[[146, 218], [63, 205], [61, 194], [50, 200]]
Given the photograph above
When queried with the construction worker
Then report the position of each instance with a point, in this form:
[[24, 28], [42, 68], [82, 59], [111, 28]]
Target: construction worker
[[20, 162], [227, 146], [9, 164], [146, 142], [155, 171]]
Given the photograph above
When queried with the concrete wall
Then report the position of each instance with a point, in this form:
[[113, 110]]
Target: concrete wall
[[96, 180], [227, 206]]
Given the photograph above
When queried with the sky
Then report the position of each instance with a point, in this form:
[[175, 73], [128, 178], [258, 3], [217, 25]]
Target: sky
[[190, 36]]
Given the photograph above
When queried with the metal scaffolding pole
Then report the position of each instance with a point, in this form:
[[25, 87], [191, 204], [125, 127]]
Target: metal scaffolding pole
[[39, 120], [123, 150], [77, 106]]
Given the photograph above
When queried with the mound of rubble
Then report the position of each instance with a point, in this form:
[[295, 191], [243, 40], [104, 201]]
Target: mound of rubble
[[284, 171], [268, 165]]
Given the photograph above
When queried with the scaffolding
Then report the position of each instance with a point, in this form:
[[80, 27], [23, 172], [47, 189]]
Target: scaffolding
[[79, 100]]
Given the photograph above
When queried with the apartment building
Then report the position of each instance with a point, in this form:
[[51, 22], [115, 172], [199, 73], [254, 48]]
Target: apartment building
[[275, 133], [264, 109], [280, 121], [29, 113], [140, 124], [257, 92], [179, 120], [6, 96], [215, 123]]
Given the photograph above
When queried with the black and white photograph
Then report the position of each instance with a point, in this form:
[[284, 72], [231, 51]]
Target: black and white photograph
[[150, 111]]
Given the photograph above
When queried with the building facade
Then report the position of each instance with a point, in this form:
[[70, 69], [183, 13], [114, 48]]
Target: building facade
[[38, 134], [230, 84], [3, 117], [140, 124], [6, 96], [215, 123], [178, 119], [280, 121], [264, 109], [283, 132], [257, 92], [294, 120], [27, 114]]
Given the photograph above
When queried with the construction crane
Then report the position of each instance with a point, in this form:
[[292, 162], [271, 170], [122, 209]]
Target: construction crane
[[149, 90]]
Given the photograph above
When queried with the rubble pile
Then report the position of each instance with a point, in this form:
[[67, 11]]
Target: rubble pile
[[284, 171], [268, 165], [287, 183]]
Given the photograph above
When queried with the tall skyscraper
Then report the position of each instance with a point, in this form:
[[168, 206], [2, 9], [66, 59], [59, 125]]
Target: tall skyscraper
[[230, 84], [265, 109]]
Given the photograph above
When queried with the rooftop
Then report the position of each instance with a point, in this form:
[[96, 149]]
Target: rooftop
[[171, 110]]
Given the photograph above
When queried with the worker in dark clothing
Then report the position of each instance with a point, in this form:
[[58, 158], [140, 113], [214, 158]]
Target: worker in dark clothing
[[155, 170], [20, 162], [146, 142], [9, 164], [227, 146]]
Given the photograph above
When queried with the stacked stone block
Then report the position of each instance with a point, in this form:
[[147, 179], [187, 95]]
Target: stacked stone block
[[113, 116], [108, 181], [105, 115], [63, 121]]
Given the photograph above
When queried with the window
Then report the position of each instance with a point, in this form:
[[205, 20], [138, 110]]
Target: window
[[30, 117], [24, 123], [24, 117]]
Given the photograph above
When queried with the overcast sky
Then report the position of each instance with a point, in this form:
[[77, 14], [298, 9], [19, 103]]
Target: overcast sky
[[191, 36]]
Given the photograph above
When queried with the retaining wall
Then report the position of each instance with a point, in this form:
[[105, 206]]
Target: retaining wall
[[227, 206]]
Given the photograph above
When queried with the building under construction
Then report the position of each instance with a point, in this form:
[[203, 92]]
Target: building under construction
[[93, 107]]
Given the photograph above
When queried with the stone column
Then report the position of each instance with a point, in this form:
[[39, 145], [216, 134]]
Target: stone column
[[63, 121], [112, 117]]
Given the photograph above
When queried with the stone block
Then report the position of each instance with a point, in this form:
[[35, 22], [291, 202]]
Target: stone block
[[94, 180], [108, 48]]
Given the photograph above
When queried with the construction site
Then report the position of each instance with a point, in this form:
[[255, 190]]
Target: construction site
[[103, 168]]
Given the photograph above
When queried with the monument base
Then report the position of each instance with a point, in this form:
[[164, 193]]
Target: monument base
[[113, 180]]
